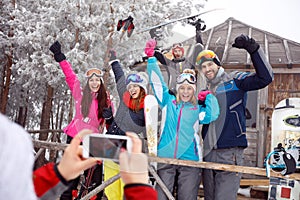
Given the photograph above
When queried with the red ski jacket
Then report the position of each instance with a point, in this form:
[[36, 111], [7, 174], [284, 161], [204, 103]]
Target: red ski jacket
[[139, 191], [49, 184]]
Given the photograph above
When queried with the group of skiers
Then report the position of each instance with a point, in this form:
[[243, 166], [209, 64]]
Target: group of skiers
[[220, 108]]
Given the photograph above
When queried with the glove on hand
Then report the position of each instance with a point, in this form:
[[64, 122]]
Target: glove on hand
[[202, 96], [112, 55], [245, 42], [55, 48], [107, 113], [150, 46]]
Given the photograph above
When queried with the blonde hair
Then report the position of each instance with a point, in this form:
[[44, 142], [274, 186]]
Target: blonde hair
[[193, 100]]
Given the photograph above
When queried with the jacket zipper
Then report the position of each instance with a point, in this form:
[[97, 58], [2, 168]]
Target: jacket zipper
[[177, 131]]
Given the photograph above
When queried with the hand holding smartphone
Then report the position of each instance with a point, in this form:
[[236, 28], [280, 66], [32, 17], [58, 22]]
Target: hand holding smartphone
[[105, 147]]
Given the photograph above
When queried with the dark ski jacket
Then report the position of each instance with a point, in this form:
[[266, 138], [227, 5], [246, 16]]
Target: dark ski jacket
[[231, 91], [125, 118]]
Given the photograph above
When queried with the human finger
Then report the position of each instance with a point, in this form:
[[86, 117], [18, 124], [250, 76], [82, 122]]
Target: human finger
[[136, 142], [78, 139]]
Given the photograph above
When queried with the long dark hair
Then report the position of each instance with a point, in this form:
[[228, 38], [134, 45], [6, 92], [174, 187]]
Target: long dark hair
[[87, 100], [137, 101]]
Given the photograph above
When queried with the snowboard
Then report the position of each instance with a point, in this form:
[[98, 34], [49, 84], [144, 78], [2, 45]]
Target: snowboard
[[285, 137], [151, 120]]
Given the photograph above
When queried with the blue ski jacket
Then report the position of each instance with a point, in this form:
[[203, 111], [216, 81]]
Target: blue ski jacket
[[180, 138], [231, 91]]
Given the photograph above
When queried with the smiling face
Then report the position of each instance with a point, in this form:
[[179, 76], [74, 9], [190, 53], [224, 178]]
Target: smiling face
[[186, 92], [134, 90], [209, 69], [94, 83], [177, 52]]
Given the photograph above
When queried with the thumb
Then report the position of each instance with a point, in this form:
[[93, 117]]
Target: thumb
[[123, 158]]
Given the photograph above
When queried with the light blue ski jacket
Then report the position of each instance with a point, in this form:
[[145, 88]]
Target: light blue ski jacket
[[180, 138]]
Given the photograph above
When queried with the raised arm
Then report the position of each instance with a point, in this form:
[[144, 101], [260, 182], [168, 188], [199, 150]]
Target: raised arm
[[66, 67], [159, 87], [118, 72], [263, 75]]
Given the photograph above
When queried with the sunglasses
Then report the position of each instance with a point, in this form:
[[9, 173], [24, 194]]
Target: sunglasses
[[93, 71], [186, 77], [133, 78], [177, 45], [208, 54]]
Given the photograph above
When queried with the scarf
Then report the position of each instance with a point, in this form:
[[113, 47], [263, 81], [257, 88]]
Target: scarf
[[129, 101]]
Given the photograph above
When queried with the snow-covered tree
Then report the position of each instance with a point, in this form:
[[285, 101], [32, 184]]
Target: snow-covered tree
[[87, 30]]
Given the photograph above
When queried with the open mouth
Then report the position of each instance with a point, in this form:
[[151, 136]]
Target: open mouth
[[209, 73], [95, 87], [185, 95], [132, 93]]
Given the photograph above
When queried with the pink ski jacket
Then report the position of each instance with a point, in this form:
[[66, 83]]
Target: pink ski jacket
[[79, 122]]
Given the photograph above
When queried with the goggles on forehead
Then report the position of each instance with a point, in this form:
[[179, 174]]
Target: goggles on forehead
[[177, 45], [94, 71], [186, 77], [206, 54], [133, 78]]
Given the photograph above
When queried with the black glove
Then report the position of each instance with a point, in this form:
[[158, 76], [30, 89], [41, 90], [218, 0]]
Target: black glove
[[107, 114], [112, 55], [56, 50], [245, 42]]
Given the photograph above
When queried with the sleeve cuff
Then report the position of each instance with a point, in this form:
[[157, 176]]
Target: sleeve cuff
[[112, 61], [137, 184], [61, 178]]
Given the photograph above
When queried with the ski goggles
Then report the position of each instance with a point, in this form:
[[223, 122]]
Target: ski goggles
[[94, 71], [133, 78], [190, 78], [177, 45], [205, 55]]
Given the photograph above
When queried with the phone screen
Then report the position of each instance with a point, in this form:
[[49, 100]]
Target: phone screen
[[106, 147]]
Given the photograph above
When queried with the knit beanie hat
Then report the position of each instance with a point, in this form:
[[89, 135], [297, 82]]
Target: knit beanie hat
[[177, 46], [187, 77], [207, 55], [140, 78]]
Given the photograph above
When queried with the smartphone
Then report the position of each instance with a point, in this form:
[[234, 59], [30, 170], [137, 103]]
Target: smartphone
[[105, 147]]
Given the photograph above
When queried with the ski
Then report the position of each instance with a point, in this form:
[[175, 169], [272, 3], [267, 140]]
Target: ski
[[151, 119], [175, 20]]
